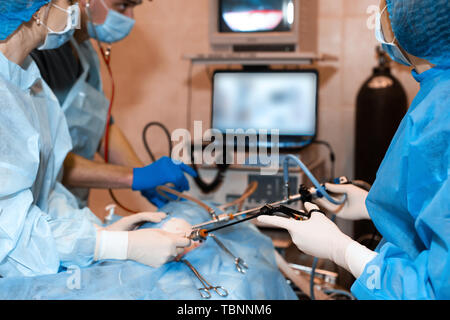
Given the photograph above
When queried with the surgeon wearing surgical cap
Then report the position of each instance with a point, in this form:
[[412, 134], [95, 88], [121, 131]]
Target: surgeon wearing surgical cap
[[73, 73], [409, 202], [41, 226]]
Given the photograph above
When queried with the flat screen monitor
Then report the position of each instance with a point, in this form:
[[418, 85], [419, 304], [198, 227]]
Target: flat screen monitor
[[256, 15], [254, 100]]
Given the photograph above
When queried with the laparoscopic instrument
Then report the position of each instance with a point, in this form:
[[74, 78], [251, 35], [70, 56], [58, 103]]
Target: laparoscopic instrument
[[205, 291], [205, 230], [200, 231], [241, 266]]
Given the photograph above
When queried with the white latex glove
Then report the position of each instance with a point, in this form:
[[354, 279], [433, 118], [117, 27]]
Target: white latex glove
[[354, 208], [176, 225], [321, 238], [133, 221], [152, 247], [180, 226]]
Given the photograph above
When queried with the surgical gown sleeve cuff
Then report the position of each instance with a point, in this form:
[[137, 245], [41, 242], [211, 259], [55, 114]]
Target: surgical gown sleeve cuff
[[111, 245], [356, 257]]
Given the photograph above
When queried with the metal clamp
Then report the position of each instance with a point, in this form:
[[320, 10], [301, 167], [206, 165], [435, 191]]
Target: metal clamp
[[241, 266], [205, 290]]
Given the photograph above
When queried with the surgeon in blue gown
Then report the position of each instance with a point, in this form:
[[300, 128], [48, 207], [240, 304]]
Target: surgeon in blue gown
[[46, 240], [409, 202], [72, 71], [41, 226], [114, 279]]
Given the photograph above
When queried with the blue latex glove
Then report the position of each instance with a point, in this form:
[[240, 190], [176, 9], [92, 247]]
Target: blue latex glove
[[161, 172]]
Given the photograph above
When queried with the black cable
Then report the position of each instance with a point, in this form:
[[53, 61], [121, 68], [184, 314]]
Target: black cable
[[147, 147], [218, 179], [204, 186], [144, 138]]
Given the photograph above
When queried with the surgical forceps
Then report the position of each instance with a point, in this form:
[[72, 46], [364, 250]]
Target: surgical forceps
[[201, 234], [205, 291], [240, 263], [304, 195]]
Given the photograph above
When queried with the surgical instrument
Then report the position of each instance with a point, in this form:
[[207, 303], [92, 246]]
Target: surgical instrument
[[303, 196], [325, 275], [201, 234], [205, 291], [240, 263]]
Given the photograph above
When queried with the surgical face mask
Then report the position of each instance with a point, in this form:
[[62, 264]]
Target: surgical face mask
[[55, 39], [115, 28], [389, 47]]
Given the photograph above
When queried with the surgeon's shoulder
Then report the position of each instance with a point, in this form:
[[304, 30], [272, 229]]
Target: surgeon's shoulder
[[7, 88], [432, 111], [15, 110], [11, 95], [441, 87], [428, 130]]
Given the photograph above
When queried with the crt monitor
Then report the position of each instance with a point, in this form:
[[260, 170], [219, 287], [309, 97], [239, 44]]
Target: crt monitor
[[263, 25], [256, 15], [253, 100]]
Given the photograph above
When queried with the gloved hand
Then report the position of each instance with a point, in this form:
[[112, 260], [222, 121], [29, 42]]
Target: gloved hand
[[177, 226], [163, 171], [133, 221], [152, 247], [354, 208], [321, 238]]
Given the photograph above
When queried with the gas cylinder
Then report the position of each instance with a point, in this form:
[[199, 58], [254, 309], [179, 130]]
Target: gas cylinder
[[381, 105]]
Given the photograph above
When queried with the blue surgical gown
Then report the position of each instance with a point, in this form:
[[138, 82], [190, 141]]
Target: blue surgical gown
[[409, 202], [40, 225], [125, 280]]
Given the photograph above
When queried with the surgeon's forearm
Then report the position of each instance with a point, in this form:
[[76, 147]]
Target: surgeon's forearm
[[84, 173], [356, 258], [120, 150]]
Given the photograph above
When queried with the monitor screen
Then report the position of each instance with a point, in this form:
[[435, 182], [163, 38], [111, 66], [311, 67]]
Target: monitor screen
[[256, 15], [283, 100]]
